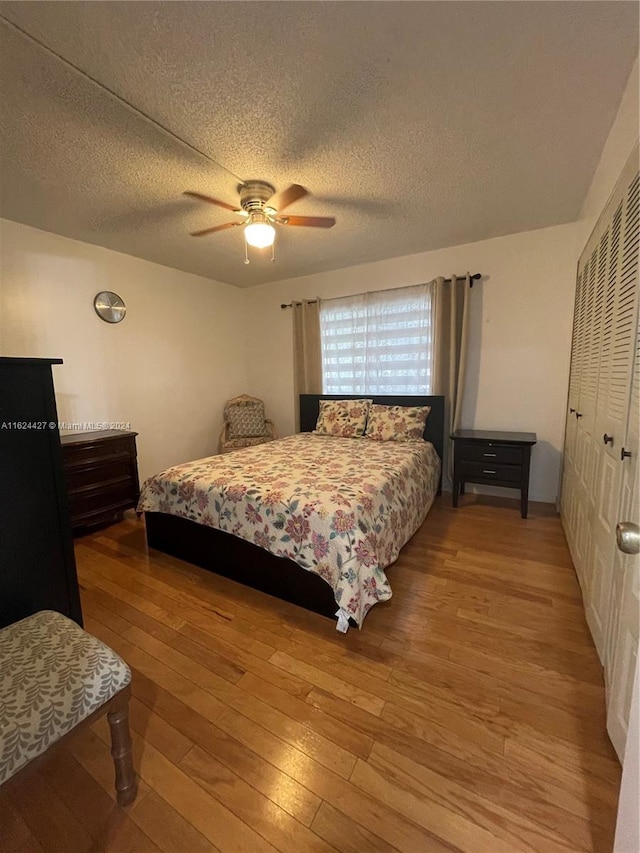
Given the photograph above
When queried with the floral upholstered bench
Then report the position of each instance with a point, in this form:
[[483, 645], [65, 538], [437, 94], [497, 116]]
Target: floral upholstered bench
[[54, 676]]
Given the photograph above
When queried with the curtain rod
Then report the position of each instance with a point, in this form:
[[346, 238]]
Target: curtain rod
[[475, 277]]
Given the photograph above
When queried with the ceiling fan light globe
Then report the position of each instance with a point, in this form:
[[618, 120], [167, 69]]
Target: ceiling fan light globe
[[260, 235]]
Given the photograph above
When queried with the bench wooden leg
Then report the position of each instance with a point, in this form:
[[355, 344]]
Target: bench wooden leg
[[126, 781]]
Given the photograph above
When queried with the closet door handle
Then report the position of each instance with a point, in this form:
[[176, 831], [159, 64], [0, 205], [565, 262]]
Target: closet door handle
[[578, 415], [625, 454], [608, 439], [571, 411], [628, 537]]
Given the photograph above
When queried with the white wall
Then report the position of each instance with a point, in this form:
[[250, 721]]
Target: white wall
[[167, 368], [184, 347], [621, 140], [520, 333]]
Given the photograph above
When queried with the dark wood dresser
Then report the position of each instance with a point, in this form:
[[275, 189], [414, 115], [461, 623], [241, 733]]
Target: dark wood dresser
[[101, 473], [492, 458], [37, 563]]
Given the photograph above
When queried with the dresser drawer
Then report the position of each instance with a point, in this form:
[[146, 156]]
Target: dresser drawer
[[99, 474], [87, 502], [488, 471], [494, 453], [76, 456]]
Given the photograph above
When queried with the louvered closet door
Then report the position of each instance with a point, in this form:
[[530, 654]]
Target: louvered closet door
[[569, 504], [618, 342], [598, 543], [623, 632], [584, 453], [579, 461]]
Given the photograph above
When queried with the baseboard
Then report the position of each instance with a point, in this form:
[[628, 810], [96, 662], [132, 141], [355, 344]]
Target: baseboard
[[499, 492]]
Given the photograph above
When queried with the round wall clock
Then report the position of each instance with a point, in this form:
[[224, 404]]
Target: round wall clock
[[109, 306]]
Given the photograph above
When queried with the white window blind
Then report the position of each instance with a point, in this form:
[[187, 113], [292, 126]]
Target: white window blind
[[378, 343]]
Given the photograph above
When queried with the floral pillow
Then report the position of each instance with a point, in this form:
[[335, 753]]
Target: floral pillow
[[345, 418], [397, 423]]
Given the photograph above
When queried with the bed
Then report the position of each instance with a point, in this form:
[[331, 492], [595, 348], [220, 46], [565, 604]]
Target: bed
[[313, 520]]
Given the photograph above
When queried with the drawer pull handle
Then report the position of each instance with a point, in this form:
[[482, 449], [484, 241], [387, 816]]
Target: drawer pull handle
[[488, 472], [608, 439], [490, 454]]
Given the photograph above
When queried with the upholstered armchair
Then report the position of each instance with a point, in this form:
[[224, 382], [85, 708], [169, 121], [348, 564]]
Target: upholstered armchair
[[245, 424]]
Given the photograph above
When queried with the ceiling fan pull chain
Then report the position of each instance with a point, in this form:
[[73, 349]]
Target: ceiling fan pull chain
[[246, 253]]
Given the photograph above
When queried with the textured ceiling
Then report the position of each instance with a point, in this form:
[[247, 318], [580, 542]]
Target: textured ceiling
[[417, 125]]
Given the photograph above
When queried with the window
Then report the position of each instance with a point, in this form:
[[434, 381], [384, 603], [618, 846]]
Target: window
[[378, 343]]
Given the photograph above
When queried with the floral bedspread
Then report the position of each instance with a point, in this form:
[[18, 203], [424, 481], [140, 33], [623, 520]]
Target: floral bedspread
[[340, 507]]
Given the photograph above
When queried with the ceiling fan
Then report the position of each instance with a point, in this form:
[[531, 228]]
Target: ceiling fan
[[260, 210]]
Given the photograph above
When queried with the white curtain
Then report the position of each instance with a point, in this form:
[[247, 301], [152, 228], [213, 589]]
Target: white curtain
[[378, 343]]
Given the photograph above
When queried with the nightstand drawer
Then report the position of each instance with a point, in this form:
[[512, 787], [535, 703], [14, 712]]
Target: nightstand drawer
[[488, 471], [493, 453]]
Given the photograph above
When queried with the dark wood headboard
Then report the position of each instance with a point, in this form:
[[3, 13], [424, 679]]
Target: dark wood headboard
[[434, 430]]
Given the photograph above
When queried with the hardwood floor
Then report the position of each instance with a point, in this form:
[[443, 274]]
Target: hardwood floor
[[468, 714]]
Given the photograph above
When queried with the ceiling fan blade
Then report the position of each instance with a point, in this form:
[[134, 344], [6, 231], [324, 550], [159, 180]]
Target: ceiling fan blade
[[309, 221], [283, 199], [215, 228], [211, 200]]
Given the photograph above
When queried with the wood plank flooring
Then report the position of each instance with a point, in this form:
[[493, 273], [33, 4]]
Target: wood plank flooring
[[468, 714]]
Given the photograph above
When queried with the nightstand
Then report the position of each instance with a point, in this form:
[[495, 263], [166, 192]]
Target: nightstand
[[492, 458]]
